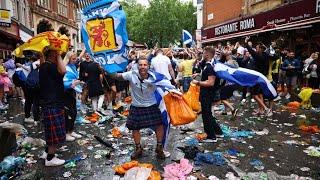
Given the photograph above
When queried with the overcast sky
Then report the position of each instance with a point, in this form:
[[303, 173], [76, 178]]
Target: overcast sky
[[145, 2]]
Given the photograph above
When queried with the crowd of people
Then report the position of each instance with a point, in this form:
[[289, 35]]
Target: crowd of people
[[41, 81]]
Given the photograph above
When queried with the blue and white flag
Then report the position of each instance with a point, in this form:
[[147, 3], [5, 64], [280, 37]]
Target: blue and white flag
[[71, 75], [245, 77], [104, 33], [163, 86], [186, 37]]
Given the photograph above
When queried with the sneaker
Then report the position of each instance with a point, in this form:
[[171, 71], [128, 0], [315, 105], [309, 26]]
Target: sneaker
[[219, 135], [54, 162], [75, 135], [166, 153], [257, 112], [252, 100], [28, 120], [237, 94], [44, 155], [243, 101], [70, 138], [278, 98], [235, 112], [210, 140], [288, 96], [268, 112]]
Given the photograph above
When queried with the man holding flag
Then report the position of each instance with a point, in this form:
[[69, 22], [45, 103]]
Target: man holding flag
[[144, 111]]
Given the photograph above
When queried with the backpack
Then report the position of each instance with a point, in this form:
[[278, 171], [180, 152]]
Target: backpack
[[33, 78]]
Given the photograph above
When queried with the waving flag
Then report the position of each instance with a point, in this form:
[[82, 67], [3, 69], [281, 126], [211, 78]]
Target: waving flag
[[52, 40], [104, 34], [186, 37], [71, 75], [163, 86], [245, 77]]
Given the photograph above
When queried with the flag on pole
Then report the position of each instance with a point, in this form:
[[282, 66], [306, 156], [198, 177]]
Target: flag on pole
[[186, 37]]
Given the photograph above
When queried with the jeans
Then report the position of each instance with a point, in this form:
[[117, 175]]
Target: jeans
[[186, 83]]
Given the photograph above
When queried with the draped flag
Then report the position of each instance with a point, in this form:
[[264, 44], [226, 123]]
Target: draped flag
[[71, 75], [52, 40], [186, 37], [103, 30], [245, 77], [163, 86]]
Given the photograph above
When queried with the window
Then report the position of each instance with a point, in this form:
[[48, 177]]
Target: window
[[2, 4], [63, 7], [44, 3]]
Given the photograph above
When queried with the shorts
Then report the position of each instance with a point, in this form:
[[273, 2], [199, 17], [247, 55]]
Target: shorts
[[256, 90]]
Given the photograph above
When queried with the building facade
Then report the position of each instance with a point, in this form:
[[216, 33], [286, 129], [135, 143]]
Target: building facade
[[15, 25], [61, 14], [283, 21]]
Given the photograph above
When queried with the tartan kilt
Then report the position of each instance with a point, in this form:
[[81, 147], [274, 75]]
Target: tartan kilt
[[54, 125], [144, 117]]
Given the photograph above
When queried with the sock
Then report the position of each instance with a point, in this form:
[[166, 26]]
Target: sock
[[50, 157]]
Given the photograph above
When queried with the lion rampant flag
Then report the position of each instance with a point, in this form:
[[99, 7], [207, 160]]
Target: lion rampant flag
[[52, 40]]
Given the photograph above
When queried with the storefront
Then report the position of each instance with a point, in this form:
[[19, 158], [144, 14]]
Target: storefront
[[9, 38], [297, 24]]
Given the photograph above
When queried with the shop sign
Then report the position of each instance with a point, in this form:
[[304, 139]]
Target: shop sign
[[270, 19], [5, 17]]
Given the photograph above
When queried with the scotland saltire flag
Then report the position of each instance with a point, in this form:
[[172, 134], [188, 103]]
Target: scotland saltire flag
[[104, 33], [245, 77], [163, 86], [186, 37], [71, 75]]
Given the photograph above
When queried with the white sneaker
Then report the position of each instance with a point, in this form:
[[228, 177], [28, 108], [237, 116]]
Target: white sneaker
[[219, 135], [252, 100], [268, 112], [28, 120], [288, 96], [44, 155], [70, 138], [210, 140], [278, 98], [243, 101], [54, 162], [166, 153], [237, 94], [74, 134]]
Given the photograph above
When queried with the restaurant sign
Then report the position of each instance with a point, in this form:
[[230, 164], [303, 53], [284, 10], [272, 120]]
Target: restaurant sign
[[280, 16], [5, 17]]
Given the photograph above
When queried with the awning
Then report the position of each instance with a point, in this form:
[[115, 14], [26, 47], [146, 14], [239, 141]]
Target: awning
[[287, 26]]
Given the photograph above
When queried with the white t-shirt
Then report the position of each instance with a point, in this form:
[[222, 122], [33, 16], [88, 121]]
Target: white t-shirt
[[240, 50], [142, 93], [160, 64]]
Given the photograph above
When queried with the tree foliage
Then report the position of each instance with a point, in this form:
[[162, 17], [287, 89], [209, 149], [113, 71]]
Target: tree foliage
[[161, 22]]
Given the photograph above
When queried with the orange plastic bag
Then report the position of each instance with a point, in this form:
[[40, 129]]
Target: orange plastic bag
[[93, 118], [116, 133], [179, 111], [311, 129], [293, 105], [192, 97], [154, 175], [129, 165], [201, 137]]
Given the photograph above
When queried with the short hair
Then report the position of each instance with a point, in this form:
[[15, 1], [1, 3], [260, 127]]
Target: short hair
[[209, 49], [142, 57]]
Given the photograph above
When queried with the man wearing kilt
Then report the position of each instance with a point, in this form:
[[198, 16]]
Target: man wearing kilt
[[144, 111], [51, 73]]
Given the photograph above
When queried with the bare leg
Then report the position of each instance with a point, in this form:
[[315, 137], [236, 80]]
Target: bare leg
[[136, 136], [226, 103], [159, 133]]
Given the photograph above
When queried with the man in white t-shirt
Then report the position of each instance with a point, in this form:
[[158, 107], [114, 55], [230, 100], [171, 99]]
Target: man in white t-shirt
[[162, 64]]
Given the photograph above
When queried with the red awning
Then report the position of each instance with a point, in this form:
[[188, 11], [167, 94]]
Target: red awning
[[287, 26]]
